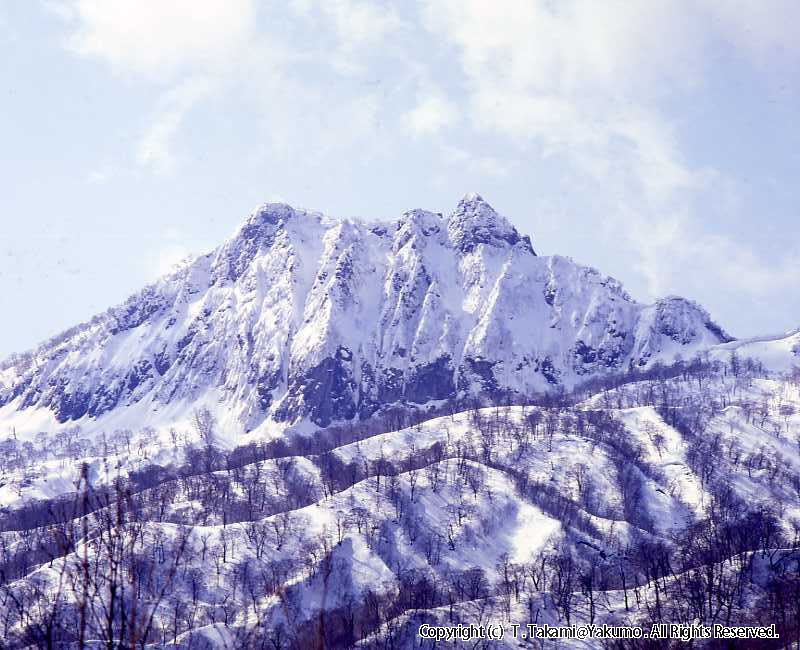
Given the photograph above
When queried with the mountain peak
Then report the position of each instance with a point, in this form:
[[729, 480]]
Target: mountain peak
[[256, 234], [476, 204], [476, 222], [473, 197], [269, 213]]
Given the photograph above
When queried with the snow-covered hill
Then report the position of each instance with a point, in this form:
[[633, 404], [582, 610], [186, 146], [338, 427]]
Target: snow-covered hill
[[667, 499], [301, 317]]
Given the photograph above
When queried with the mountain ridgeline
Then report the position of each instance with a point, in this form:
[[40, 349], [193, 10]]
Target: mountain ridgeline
[[300, 316]]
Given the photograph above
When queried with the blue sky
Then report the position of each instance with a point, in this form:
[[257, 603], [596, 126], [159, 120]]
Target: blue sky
[[657, 141]]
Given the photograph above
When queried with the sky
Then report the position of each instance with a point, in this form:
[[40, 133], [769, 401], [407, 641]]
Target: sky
[[656, 141]]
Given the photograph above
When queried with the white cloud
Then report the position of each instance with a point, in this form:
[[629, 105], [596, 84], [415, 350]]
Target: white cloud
[[292, 68], [432, 113], [159, 38], [188, 46], [475, 163], [154, 150], [348, 34], [355, 22], [572, 46], [361, 23]]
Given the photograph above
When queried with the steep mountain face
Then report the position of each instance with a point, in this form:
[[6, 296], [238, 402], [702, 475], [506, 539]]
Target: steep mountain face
[[303, 316]]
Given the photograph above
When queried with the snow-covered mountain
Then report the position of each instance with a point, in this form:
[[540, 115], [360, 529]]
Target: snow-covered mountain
[[303, 316], [134, 510]]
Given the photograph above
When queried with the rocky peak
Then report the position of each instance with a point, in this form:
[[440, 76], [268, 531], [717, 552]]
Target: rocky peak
[[256, 234], [266, 218], [681, 320], [476, 222], [417, 224]]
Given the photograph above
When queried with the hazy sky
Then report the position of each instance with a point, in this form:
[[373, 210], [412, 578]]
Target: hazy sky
[[657, 141]]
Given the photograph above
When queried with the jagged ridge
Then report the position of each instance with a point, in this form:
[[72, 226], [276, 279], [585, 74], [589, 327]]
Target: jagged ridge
[[300, 315]]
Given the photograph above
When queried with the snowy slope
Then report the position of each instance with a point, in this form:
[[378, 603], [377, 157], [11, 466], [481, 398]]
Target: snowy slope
[[780, 353]]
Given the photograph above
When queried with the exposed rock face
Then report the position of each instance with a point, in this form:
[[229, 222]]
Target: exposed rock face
[[475, 222], [299, 315]]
